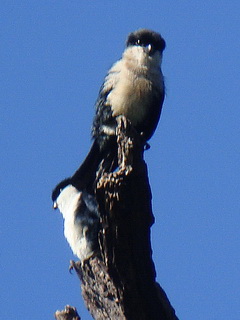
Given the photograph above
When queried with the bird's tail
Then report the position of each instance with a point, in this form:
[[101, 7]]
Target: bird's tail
[[85, 176]]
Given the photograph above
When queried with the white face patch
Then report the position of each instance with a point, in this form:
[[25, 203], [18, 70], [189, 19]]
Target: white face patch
[[67, 199]]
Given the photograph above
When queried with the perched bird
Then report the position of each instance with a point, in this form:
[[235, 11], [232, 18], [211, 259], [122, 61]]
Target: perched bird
[[81, 220], [134, 88]]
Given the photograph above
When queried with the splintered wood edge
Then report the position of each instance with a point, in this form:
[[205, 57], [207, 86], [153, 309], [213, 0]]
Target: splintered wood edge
[[69, 313]]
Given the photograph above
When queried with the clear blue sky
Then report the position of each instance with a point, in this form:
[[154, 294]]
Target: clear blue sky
[[54, 56]]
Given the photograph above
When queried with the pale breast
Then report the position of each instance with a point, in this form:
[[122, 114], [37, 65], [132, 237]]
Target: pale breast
[[130, 97]]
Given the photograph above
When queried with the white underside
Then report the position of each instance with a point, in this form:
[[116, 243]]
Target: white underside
[[67, 203]]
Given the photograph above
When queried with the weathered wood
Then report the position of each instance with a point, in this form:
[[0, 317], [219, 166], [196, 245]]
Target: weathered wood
[[119, 283], [69, 313]]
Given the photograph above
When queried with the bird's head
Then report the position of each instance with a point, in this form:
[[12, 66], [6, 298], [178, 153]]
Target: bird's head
[[57, 190], [145, 46]]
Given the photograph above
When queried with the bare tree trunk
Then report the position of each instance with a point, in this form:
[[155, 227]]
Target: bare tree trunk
[[119, 283]]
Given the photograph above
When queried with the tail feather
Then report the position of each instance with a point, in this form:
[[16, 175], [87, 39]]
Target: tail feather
[[85, 176]]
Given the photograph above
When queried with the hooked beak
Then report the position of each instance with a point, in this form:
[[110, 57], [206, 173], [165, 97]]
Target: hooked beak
[[150, 49], [55, 206]]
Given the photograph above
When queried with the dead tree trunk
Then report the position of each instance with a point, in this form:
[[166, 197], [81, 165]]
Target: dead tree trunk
[[119, 283]]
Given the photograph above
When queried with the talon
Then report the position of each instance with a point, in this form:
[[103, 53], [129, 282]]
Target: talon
[[147, 146], [71, 266]]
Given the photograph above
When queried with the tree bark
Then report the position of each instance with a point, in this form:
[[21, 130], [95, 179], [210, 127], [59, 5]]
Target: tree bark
[[119, 282]]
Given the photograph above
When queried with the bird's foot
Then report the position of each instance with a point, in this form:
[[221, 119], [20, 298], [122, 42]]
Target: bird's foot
[[72, 265]]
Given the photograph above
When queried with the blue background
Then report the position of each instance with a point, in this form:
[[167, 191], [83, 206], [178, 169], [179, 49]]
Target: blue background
[[54, 56]]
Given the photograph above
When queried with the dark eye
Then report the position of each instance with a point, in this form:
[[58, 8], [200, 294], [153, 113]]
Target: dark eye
[[146, 37], [141, 42]]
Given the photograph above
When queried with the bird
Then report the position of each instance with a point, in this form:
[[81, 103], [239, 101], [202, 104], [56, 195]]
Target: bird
[[81, 221], [133, 88]]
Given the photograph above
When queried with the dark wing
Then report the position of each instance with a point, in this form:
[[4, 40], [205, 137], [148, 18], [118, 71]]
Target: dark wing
[[103, 117], [149, 125], [88, 216], [103, 114]]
